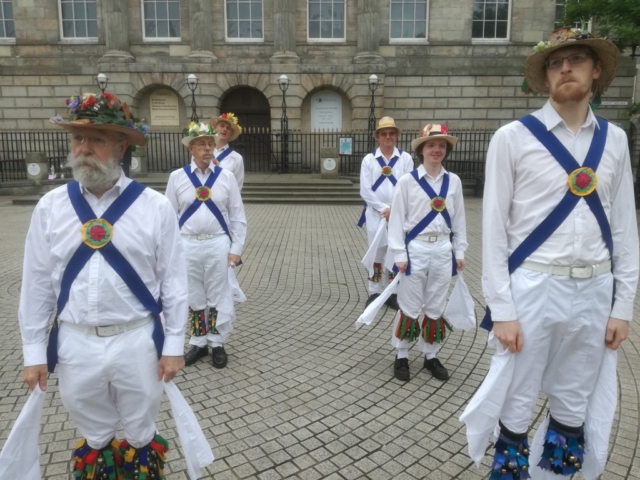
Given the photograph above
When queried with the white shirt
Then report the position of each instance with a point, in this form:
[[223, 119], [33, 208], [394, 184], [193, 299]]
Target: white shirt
[[224, 193], [371, 170], [146, 235], [524, 183], [411, 204], [232, 162]]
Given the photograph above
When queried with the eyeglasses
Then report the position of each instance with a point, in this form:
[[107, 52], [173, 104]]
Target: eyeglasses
[[204, 144], [387, 134], [94, 142], [575, 59]]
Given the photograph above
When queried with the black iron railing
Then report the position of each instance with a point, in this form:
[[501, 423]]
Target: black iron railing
[[260, 148]]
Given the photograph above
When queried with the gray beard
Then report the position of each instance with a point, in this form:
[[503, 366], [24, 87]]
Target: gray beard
[[92, 173]]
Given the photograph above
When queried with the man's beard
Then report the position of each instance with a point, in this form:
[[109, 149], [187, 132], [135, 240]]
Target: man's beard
[[570, 92], [92, 173]]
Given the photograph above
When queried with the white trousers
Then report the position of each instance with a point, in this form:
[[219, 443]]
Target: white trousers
[[563, 323], [207, 265], [104, 380], [424, 292], [373, 220]]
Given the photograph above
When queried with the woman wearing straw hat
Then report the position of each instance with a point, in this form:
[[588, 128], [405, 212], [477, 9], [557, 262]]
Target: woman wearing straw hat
[[427, 209], [559, 232]]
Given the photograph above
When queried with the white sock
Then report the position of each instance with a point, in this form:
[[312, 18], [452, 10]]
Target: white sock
[[403, 353], [430, 356]]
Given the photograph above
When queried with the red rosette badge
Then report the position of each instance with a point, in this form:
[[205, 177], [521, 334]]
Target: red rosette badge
[[203, 193], [387, 171], [438, 204], [96, 233], [582, 181]]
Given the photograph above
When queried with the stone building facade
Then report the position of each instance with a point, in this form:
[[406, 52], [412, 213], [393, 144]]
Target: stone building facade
[[444, 75]]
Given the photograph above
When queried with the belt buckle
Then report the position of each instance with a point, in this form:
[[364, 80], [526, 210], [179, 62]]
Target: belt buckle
[[109, 331], [581, 271], [432, 238]]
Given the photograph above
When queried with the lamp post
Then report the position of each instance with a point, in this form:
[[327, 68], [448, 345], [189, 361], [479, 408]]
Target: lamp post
[[283, 83], [102, 81], [373, 84], [192, 83]]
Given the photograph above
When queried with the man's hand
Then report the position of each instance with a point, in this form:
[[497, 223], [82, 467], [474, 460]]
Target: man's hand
[[169, 366], [460, 264], [617, 332], [402, 266], [233, 260], [36, 374], [509, 334], [385, 213]]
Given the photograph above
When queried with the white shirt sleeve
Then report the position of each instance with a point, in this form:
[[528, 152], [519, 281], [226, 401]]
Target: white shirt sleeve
[[237, 220], [172, 277], [366, 182], [397, 219], [458, 222], [624, 230], [37, 297], [498, 194]]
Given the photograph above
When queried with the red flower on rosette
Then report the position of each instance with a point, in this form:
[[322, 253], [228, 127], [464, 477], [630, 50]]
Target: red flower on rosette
[[583, 180], [97, 233], [438, 203], [203, 192]]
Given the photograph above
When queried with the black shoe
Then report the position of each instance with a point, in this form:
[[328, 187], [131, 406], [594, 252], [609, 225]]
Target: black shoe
[[392, 302], [401, 369], [371, 298], [194, 354], [436, 368], [218, 357]]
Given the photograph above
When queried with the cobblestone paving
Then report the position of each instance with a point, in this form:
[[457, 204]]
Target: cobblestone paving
[[304, 395]]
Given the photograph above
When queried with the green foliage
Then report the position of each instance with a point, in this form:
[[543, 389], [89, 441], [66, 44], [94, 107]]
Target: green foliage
[[618, 20], [634, 109]]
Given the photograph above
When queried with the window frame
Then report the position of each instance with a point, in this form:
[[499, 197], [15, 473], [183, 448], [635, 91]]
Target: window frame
[[328, 40], [8, 40], [64, 39], [412, 41], [502, 41], [146, 39], [563, 3], [240, 39]]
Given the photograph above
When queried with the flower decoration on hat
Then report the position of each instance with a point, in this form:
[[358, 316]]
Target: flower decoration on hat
[[90, 109], [438, 204], [582, 181], [563, 35], [199, 130], [231, 118]]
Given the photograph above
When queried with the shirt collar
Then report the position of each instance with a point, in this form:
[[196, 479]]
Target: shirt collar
[[423, 171], [194, 167], [552, 119], [221, 149], [119, 186], [396, 153]]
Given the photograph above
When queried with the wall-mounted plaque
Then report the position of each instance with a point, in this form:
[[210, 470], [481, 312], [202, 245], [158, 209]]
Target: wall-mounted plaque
[[326, 111], [164, 108]]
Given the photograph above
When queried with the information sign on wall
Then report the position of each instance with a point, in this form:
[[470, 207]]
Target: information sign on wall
[[164, 108], [326, 111]]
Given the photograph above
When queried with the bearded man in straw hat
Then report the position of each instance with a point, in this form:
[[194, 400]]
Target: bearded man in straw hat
[[427, 223], [107, 249], [213, 228], [228, 129], [560, 269], [379, 174]]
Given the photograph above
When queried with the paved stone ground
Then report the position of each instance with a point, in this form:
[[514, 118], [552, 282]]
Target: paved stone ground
[[305, 395]]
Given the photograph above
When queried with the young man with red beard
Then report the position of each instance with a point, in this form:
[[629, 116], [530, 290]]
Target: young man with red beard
[[560, 269]]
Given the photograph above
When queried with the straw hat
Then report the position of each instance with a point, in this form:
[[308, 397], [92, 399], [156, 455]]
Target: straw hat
[[231, 120], [386, 122], [103, 112], [608, 55], [197, 130], [433, 130]]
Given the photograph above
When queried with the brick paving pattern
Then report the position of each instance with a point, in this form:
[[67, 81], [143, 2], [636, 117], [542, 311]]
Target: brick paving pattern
[[305, 396]]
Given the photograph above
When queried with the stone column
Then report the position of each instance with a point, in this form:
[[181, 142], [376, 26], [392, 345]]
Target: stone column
[[115, 19], [201, 33], [284, 31], [368, 26]]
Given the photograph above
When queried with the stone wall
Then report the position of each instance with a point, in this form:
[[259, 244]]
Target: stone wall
[[449, 78]]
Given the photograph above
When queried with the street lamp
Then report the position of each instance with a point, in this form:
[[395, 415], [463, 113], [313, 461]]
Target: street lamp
[[283, 83], [373, 84], [102, 81], [192, 83]]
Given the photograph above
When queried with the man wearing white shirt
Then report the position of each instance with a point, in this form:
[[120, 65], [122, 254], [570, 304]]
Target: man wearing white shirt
[[213, 228], [427, 224], [228, 129], [379, 173], [109, 250], [560, 263]]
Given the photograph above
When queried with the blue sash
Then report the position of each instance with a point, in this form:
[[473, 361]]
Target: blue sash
[[424, 223], [211, 179], [378, 182], [224, 154], [113, 257], [559, 214]]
